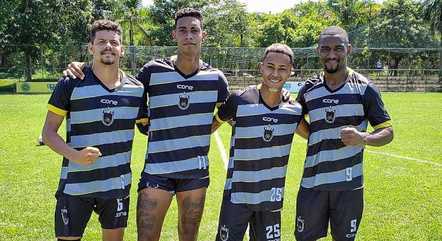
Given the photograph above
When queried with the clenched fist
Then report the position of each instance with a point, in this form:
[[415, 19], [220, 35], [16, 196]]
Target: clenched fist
[[350, 136], [87, 155]]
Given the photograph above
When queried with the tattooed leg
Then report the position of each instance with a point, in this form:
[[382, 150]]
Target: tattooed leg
[[190, 212], [152, 206]]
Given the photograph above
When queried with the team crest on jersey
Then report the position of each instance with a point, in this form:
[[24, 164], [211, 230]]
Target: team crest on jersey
[[224, 233], [268, 133], [108, 117], [64, 216], [184, 101], [330, 113]]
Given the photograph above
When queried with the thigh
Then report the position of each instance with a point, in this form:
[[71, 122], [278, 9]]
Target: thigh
[[265, 226], [233, 221], [152, 205], [113, 213], [190, 212], [312, 214], [71, 215], [346, 214]]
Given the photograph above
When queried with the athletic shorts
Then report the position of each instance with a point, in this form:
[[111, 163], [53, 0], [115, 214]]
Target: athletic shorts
[[314, 210], [73, 213], [170, 184], [234, 218]]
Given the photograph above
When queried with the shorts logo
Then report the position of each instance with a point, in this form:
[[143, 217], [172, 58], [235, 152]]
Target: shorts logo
[[299, 224], [108, 117], [330, 113], [224, 233], [184, 101], [64, 216], [268, 133]]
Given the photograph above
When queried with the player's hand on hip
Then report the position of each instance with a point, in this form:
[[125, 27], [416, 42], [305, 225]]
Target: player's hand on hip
[[350, 136], [74, 70], [87, 155]]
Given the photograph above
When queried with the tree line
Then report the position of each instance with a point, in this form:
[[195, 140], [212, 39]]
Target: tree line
[[32, 28]]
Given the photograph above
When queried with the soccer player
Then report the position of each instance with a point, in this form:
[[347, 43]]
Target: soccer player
[[183, 92], [100, 112], [264, 122], [339, 104]]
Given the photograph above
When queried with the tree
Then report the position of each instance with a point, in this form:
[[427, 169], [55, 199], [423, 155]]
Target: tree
[[432, 11], [226, 24], [399, 25], [162, 13]]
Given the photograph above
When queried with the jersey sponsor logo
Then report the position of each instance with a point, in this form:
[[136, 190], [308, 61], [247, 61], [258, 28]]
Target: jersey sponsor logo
[[107, 101], [330, 101], [183, 102], [224, 233], [268, 133], [184, 87], [270, 119], [64, 216], [299, 224], [108, 117], [330, 113]]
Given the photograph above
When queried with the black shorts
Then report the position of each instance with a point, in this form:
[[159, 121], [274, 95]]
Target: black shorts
[[73, 213], [170, 184], [314, 210], [234, 218]]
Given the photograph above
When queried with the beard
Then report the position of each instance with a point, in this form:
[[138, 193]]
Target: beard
[[333, 69], [105, 60]]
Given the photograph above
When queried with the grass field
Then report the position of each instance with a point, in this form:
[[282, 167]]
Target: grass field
[[403, 181]]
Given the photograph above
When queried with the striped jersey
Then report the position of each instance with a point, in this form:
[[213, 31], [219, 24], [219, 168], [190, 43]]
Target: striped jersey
[[180, 111], [260, 148], [103, 118], [329, 164]]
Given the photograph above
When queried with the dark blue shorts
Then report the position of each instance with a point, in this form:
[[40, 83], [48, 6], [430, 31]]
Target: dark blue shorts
[[234, 218], [73, 213], [171, 185], [315, 209]]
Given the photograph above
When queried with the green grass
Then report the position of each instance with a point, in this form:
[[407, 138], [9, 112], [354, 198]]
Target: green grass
[[403, 198]]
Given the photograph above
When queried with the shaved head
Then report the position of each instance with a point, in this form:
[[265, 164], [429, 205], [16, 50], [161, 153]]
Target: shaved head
[[334, 31]]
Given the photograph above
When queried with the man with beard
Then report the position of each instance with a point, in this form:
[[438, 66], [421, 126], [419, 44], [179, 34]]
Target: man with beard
[[339, 104], [100, 112], [183, 92]]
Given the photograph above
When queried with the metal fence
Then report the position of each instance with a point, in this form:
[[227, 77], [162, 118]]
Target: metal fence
[[409, 67]]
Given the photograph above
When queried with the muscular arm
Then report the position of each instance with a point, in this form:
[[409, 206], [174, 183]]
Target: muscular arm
[[352, 137], [303, 129], [379, 137], [52, 139]]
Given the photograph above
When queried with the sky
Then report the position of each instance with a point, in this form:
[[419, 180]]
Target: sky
[[258, 5]]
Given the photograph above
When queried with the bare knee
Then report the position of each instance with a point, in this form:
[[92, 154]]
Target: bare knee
[[151, 211]]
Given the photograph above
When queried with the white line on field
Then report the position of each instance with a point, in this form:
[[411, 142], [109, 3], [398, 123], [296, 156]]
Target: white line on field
[[221, 149], [405, 158], [397, 156]]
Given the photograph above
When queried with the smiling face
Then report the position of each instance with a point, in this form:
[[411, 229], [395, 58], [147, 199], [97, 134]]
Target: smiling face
[[189, 35], [106, 47], [275, 69], [333, 51]]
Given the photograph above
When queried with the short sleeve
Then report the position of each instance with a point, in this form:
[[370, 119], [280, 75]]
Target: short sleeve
[[227, 111], [143, 75], [59, 102], [301, 100], [223, 88], [374, 108]]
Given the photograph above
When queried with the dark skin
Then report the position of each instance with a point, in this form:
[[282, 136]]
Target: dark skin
[[333, 51]]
